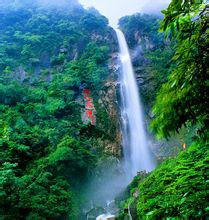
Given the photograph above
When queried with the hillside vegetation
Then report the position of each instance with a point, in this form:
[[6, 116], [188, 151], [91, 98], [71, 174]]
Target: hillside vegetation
[[178, 188], [59, 126], [47, 57]]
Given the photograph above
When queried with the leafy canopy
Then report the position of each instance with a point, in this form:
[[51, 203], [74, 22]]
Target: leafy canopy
[[183, 99]]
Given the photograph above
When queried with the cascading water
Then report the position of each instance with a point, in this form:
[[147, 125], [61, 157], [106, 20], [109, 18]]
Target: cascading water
[[137, 156], [136, 153]]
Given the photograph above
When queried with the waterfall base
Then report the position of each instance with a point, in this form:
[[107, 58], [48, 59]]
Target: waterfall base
[[105, 217]]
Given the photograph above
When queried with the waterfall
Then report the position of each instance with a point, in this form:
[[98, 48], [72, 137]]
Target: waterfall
[[135, 146], [137, 156]]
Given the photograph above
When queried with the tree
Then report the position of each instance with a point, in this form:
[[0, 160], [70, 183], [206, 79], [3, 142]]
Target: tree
[[45, 155], [183, 99]]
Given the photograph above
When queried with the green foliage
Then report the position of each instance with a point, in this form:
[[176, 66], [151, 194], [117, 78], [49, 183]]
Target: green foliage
[[178, 188], [72, 155], [141, 26], [157, 71], [90, 67], [183, 99], [128, 198], [46, 56], [32, 33], [37, 193]]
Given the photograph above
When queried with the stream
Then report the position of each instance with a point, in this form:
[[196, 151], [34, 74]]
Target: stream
[[137, 156]]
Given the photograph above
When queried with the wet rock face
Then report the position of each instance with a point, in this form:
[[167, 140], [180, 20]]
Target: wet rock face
[[20, 74], [147, 43], [100, 109], [108, 98], [108, 102], [89, 113], [112, 147], [45, 60]]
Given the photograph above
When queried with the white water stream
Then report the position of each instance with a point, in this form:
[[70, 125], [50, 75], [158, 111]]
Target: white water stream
[[137, 156], [136, 152]]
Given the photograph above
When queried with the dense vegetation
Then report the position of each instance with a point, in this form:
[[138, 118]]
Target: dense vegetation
[[187, 86], [178, 188], [47, 57]]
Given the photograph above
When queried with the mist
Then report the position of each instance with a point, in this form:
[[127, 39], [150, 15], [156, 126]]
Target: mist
[[154, 7], [109, 8], [57, 2], [114, 10], [39, 3]]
